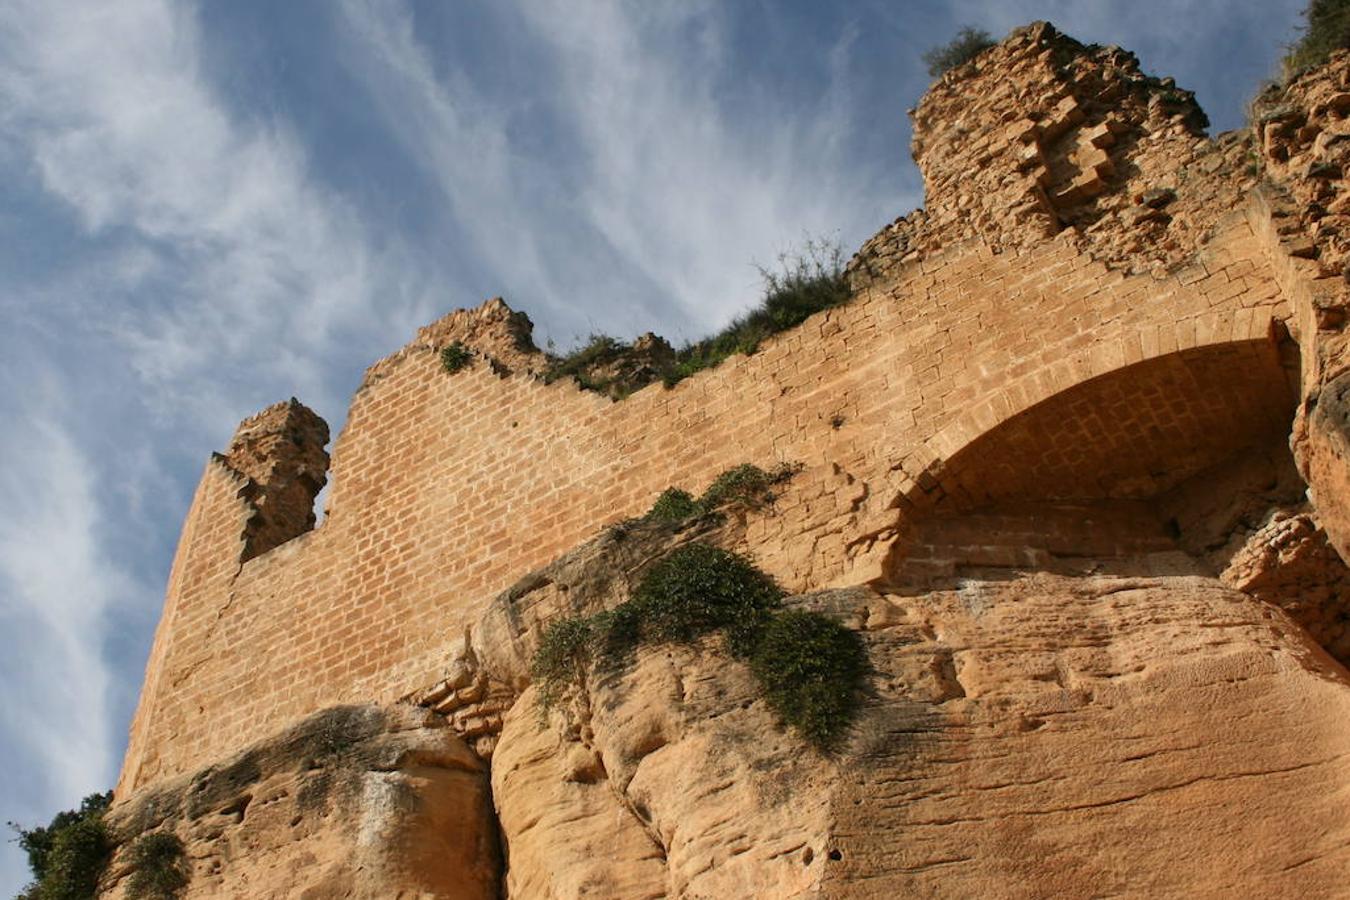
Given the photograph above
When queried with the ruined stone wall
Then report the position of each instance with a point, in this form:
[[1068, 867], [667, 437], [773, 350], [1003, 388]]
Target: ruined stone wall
[[1074, 466], [1164, 293], [446, 487]]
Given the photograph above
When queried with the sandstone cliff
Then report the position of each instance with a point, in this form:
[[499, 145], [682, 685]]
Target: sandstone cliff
[[1072, 465]]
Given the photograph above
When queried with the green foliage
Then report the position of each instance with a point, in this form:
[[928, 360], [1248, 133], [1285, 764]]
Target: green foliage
[[811, 670], [1326, 29], [599, 350], [562, 657], [809, 667], [68, 855], [746, 484], [159, 867], [455, 357], [968, 44], [809, 280], [673, 505], [700, 588]]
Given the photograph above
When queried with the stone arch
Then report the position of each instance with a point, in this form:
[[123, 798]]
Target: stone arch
[[1091, 471], [1211, 382]]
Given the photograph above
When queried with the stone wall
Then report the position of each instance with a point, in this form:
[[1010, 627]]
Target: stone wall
[[447, 486], [1109, 340]]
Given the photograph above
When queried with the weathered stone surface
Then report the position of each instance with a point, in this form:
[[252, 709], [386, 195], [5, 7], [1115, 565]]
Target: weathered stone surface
[[678, 762], [354, 802], [1087, 737], [280, 454], [1076, 461], [1325, 452], [1041, 136], [1044, 735]]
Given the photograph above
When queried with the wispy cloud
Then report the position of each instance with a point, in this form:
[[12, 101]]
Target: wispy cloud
[[665, 187], [216, 212], [206, 268], [56, 589]]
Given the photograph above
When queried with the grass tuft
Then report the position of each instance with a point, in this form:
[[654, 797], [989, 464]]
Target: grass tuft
[[968, 44], [1326, 29]]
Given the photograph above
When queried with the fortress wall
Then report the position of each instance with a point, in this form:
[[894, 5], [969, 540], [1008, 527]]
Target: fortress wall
[[448, 487]]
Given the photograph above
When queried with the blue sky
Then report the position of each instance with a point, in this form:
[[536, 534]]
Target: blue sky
[[208, 207]]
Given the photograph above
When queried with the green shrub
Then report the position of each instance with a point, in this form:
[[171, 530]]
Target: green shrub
[[159, 865], [968, 44], [68, 855], [600, 349], [811, 670], [673, 505], [563, 655], [700, 588], [745, 484], [1326, 29], [696, 589], [807, 281], [455, 357], [617, 633], [809, 667]]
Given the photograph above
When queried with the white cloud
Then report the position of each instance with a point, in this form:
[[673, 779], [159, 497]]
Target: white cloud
[[682, 191], [251, 255], [56, 590]]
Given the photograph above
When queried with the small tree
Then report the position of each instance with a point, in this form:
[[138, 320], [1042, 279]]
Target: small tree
[[968, 44], [67, 855]]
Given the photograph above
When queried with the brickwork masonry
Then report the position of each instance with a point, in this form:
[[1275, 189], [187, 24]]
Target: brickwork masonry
[[449, 486]]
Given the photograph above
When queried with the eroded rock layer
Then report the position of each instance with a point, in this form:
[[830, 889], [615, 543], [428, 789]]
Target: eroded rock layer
[[362, 802]]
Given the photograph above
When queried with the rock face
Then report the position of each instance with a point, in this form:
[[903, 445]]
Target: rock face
[[1075, 468], [1046, 736], [1086, 737], [353, 802]]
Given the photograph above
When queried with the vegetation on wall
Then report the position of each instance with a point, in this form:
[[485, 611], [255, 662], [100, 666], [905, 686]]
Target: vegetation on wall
[[806, 281], [1326, 29], [68, 855], [159, 867], [809, 668], [968, 44], [674, 505], [599, 350], [455, 357]]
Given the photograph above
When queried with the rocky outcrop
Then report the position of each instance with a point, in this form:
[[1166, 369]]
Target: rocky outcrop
[[1303, 129], [1323, 445], [1044, 735], [356, 802], [1087, 737]]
